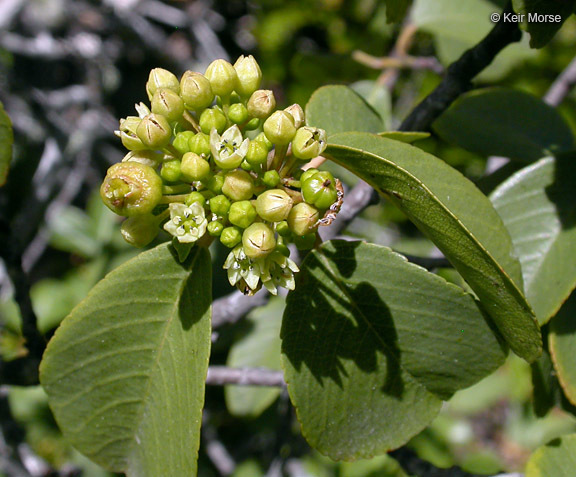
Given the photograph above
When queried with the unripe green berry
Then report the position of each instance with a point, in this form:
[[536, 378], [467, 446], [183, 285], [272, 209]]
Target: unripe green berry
[[238, 185], [167, 103], [131, 188], [231, 236], [320, 190], [212, 118], [254, 123], [196, 91], [307, 174], [271, 178], [303, 219], [283, 229], [195, 197], [200, 144], [194, 167], [222, 77], [256, 154], [170, 171], [297, 113], [309, 142], [127, 133], [140, 231], [305, 242], [249, 75], [215, 183], [274, 205], [279, 128], [258, 240], [237, 113], [261, 103], [242, 213], [220, 205], [182, 140], [215, 228], [154, 131], [161, 78], [146, 157]]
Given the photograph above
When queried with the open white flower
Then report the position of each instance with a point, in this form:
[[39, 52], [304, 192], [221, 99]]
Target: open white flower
[[228, 150], [187, 223], [277, 270]]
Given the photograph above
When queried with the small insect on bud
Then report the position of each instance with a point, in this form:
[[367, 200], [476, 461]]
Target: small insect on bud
[[279, 128], [212, 118], [249, 75], [194, 167], [258, 240], [167, 103], [261, 104], [297, 113], [161, 78], [131, 188], [140, 231], [196, 91], [154, 131], [231, 236], [303, 218], [127, 133], [222, 77], [274, 205], [309, 142], [320, 190], [242, 213], [238, 185]]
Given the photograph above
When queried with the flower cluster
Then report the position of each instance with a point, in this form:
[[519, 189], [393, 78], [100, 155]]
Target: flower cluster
[[213, 157]]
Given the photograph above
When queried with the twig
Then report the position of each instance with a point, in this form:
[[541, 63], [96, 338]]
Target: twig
[[404, 61], [214, 448], [230, 308], [222, 375], [562, 85], [460, 75]]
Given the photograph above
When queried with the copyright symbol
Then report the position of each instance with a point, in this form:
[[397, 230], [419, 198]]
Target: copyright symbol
[[495, 17]]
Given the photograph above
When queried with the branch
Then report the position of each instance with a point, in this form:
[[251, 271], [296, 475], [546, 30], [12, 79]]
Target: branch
[[232, 307], [460, 75], [222, 375], [562, 86]]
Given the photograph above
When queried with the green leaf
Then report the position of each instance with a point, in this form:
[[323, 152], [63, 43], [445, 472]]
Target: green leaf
[[538, 207], [562, 342], [503, 122], [340, 109], [6, 141], [405, 136], [372, 343], [125, 371], [557, 458], [377, 96], [396, 10], [259, 347], [536, 18], [457, 217]]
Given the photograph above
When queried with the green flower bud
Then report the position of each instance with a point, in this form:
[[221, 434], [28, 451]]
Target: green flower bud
[[131, 188], [246, 165], [283, 249], [238, 185], [271, 178], [262, 139], [228, 150], [297, 113], [161, 78], [220, 205], [254, 123], [274, 205], [261, 103], [194, 168], [309, 142], [196, 91], [212, 118], [215, 228], [182, 140], [237, 113], [167, 103], [249, 75], [256, 154], [200, 144], [242, 213], [140, 231], [258, 240], [170, 171], [215, 183], [279, 128], [231, 236], [305, 242], [307, 174], [302, 218], [154, 131], [127, 133], [148, 158], [222, 77], [320, 190], [283, 229], [195, 197]]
